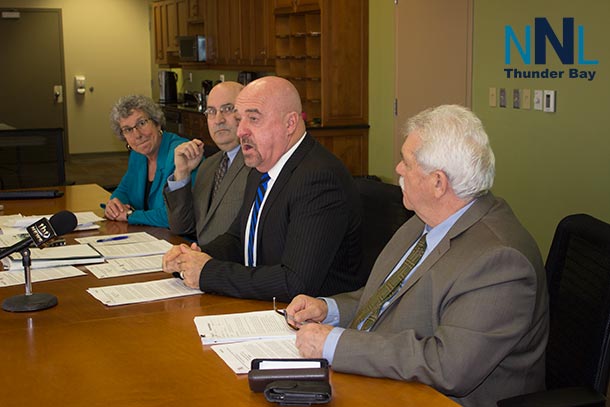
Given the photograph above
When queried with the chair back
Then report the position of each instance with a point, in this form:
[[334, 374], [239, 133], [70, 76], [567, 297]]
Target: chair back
[[382, 214], [578, 272]]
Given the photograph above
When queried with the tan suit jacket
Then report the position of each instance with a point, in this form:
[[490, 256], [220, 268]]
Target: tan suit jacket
[[190, 211], [472, 321]]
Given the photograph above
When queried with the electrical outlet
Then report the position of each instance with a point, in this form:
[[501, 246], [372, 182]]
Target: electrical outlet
[[190, 77], [526, 99], [493, 100], [537, 100], [222, 78]]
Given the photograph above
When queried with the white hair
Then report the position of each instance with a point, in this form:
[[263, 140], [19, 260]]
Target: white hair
[[454, 141]]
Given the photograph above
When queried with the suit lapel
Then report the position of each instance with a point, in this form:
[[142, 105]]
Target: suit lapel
[[233, 170], [285, 174], [469, 218]]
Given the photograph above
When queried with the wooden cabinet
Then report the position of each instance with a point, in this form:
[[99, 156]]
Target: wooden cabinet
[[322, 48], [239, 33], [324, 53], [284, 6], [195, 125], [350, 145], [170, 21]]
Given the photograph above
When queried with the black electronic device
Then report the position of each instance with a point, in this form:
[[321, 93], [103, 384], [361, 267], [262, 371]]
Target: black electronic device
[[31, 194]]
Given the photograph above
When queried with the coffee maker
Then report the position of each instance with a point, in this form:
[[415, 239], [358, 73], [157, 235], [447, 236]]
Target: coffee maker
[[167, 87]]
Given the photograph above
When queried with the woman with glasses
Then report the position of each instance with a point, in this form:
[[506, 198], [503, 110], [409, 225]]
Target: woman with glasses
[[138, 199]]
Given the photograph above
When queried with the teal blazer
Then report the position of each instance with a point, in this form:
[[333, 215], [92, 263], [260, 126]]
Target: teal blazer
[[132, 186]]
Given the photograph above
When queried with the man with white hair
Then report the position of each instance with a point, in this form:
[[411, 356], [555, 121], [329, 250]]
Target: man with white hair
[[457, 299]]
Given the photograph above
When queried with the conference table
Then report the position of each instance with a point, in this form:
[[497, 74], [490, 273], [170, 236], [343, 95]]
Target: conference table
[[83, 353]]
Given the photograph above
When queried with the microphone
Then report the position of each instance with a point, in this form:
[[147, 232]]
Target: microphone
[[39, 233], [43, 230]]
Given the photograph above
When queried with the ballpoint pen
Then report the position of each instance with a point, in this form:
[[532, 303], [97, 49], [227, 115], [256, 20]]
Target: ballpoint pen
[[111, 239]]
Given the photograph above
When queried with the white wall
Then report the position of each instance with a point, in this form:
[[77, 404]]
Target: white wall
[[109, 42]]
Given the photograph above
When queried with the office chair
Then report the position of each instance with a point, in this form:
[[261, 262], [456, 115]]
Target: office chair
[[382, 214], [577, 357]]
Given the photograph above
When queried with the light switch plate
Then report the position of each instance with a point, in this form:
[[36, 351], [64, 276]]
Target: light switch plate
[[537, 100], [493, 99], [526, 101]]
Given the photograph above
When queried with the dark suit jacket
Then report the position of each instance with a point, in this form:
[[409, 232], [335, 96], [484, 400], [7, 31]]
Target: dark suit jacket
[[190, 210], [472, 321], [308, 236]]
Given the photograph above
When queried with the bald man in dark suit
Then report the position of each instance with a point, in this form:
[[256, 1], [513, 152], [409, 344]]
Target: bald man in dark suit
[[299, 227]]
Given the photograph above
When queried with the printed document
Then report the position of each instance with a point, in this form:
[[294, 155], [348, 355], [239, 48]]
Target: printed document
[[239, 355], [115, 251], [142, 292], [120, 238], [246, 326], [17, 277], [127, 266]]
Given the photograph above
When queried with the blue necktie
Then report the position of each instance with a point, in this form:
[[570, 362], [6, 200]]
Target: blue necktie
[[260, 194]]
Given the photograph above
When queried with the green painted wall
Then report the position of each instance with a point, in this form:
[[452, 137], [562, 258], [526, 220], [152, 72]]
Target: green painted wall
[[548, 165], [381, 88]]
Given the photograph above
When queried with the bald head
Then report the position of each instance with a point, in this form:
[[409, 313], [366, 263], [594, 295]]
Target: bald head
[[269, 110]]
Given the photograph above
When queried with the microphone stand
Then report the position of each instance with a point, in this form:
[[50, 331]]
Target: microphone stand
[[29, 301]]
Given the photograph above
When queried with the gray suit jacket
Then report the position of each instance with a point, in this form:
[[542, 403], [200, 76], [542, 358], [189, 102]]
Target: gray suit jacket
[[471, 322], [190, 210]]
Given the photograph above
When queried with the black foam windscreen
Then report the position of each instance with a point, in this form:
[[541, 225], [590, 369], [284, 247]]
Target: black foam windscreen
[[63, 222]]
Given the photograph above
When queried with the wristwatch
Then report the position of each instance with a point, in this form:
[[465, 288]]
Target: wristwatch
[[129, 212]]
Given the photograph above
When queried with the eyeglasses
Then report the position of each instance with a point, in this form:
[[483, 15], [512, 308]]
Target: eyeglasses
[[287, 317], [224, 109], [140, 124]]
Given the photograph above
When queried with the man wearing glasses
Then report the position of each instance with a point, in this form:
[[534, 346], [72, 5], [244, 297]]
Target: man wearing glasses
[[207, 209], [299, 226]]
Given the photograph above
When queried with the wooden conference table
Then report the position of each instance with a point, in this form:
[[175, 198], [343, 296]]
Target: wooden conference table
[[82, 353]]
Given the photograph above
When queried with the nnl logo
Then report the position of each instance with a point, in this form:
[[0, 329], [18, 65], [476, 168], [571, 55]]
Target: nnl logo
[[542, 31]]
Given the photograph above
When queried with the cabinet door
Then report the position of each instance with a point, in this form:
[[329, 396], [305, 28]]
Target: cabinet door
[[344, 62], [210, 18], [261, 33], [230, 46], [159, 21], [171, 25]]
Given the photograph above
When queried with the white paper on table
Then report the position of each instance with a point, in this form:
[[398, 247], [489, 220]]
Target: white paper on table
[[245, 326], [55, 256], [17, 277], [127, 266], [239, 355], [136, 237], [142, 292], [115, 251]]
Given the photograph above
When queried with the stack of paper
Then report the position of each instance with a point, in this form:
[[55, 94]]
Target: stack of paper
[[127, 266], [246, 326], [259, 334], [142, 292], [17, 277]]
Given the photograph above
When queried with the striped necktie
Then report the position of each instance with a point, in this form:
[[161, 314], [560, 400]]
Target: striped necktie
[[260, 194], [368, 314], [220, 173]]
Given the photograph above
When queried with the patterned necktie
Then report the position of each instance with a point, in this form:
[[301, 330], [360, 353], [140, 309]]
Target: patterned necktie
[[260, 194], [370, 312], [220, 173]]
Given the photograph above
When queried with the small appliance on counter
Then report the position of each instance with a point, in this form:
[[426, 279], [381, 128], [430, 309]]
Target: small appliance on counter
[[167, 87]]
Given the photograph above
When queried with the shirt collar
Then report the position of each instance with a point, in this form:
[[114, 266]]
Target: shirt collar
[[277, 168]]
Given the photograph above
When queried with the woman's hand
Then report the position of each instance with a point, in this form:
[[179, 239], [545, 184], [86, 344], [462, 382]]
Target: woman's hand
[[116, 210]]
